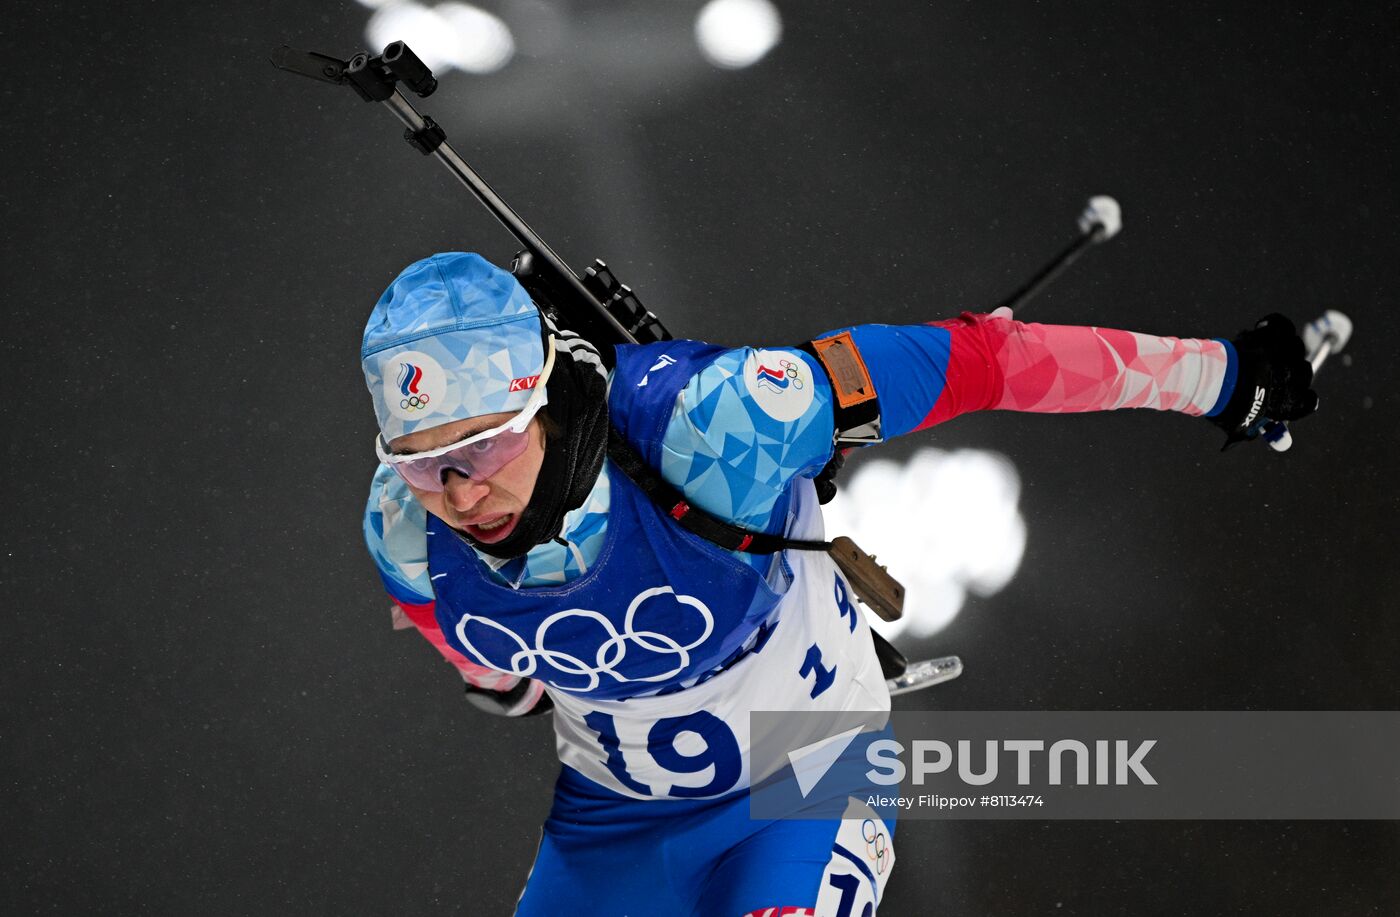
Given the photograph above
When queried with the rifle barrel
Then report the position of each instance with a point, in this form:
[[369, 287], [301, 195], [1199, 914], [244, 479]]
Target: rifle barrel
[[605, 328]]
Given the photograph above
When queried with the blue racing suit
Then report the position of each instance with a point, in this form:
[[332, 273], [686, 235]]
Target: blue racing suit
[[655, 645]]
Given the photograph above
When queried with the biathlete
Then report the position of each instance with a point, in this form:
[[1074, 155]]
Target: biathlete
[[540, 569]]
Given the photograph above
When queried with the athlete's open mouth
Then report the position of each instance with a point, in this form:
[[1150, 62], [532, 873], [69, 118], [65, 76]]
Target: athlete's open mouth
[[494, 530]]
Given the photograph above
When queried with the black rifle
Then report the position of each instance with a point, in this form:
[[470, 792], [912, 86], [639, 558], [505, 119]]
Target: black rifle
[[594, 304]]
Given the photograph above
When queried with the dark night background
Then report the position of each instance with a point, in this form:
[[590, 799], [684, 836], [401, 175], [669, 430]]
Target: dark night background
[[204, 709]]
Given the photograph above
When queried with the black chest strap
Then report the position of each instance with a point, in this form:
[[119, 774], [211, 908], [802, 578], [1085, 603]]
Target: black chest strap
[[872, 584], [690, 517]]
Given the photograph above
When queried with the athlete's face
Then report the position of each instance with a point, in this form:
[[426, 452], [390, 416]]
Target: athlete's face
[[487, 510]]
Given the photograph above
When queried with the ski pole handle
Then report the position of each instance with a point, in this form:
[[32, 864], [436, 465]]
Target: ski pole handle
[[1324, 336]]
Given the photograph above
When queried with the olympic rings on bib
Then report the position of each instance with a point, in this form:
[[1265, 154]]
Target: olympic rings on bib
[[607, 654]]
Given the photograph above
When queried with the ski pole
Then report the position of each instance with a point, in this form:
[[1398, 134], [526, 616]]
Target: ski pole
[[1323, 337], [1101, 220]]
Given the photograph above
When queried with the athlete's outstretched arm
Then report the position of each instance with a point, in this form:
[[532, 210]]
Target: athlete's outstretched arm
[[752, 420], [927, 374]]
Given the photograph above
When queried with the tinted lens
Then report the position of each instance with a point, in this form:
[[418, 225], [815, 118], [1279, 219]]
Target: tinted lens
[[477, 460]]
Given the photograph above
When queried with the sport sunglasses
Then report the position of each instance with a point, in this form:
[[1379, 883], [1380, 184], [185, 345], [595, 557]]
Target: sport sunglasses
[[478, 456]]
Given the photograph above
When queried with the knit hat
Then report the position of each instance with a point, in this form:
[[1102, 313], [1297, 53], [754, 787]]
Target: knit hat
[[452, 337]]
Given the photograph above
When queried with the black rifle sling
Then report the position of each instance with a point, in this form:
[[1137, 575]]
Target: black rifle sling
[[692, 518], [875, 588]]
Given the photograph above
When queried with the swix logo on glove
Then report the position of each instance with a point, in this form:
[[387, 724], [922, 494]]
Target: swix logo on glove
[[1259, 393]]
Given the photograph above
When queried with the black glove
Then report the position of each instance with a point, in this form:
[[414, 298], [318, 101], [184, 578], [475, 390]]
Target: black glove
[[525, 699], [1273, 380]]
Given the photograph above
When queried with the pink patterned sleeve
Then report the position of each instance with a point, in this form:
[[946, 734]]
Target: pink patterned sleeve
[[1001, 364], [421, 618]]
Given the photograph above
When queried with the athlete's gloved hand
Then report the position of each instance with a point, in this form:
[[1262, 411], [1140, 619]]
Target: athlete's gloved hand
[[526, 698], [1273, 380]]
